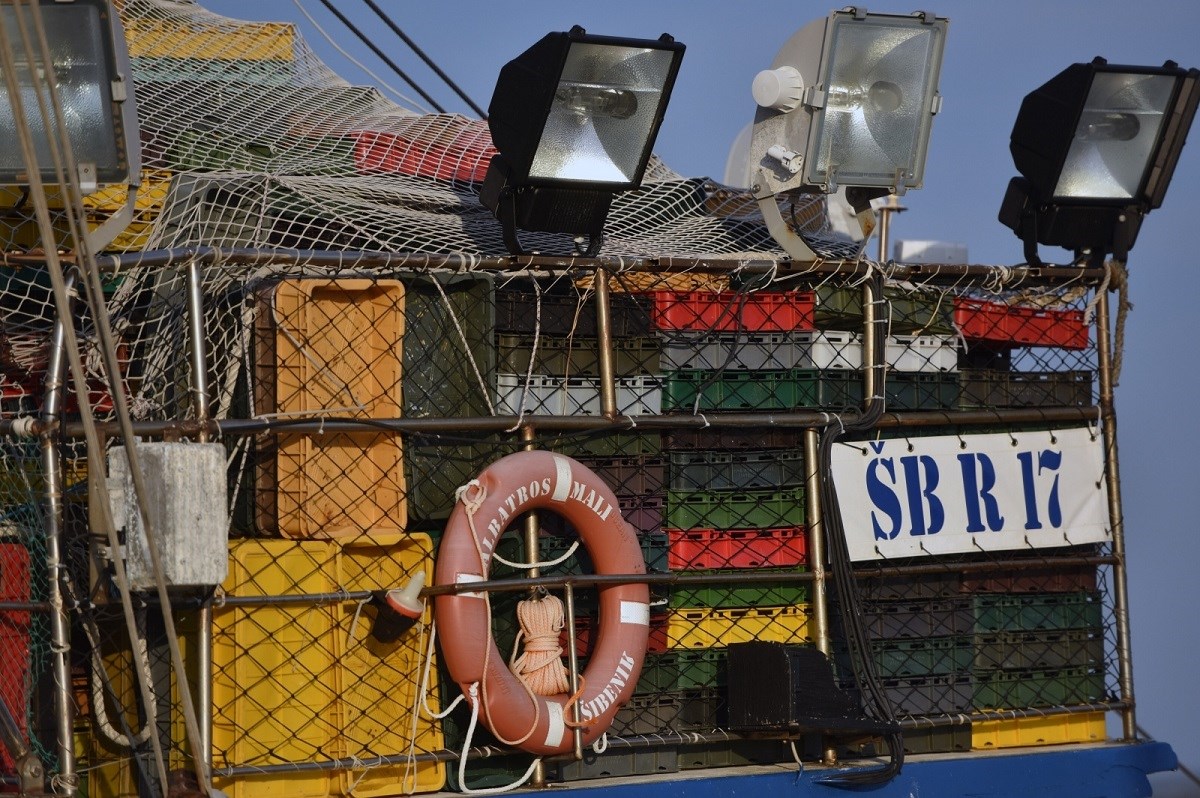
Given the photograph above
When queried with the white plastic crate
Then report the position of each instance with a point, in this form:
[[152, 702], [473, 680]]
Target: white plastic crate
[[829, 349], [575, 396], [756, 351], [922, 353]]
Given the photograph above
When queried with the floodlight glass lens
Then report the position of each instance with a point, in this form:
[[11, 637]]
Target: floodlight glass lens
[[78, 74], [876, 119], [1116, 137], [603, 113]]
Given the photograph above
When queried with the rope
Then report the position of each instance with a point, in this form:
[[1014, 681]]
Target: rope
[[540, 665]]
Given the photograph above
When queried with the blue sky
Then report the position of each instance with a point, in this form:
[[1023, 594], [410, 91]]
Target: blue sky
[[996, 53]]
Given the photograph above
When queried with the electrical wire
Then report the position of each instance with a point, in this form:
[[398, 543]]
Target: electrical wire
[[874, 697], [428, 61], [362, 37], [413, 104]]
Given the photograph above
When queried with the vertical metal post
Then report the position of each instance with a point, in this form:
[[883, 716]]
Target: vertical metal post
[[530, 535], [892, 206], [608, 383], [60, 642], [200, 404], [816, 542], [573, 659], [870, 341], [1112, 478], [816, 558]]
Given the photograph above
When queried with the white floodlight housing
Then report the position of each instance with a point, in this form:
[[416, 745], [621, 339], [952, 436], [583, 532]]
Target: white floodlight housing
[[89, 70], [848, 101]]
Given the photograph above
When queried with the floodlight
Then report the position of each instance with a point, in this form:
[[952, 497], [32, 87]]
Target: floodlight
[[1096, 147], [849, 101], [89, 71], [573, 119]]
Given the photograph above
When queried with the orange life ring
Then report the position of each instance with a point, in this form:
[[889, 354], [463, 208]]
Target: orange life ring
[[509, 487]]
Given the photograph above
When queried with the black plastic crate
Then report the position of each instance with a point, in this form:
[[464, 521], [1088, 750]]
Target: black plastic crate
[[574, 356], [617, 762], [929, 618], [716, 438], [742, 470], [517, 311], [998, 388], [630, 476]]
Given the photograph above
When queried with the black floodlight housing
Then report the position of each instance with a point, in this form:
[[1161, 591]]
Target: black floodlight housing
[[1096, 147], [574, 119], [89, 71], [849, 101]]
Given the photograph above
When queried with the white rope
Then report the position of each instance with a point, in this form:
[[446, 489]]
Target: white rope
[[462, 757]]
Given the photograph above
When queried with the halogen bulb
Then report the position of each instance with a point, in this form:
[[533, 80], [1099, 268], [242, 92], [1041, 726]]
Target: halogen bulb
[[586, 100], [882, 95], [1108, 126]]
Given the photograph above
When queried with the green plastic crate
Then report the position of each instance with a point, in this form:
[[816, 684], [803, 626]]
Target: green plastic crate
[[840, 308], [683, 670], [926, 656], [750, 509], [1038, 688], [559, 355], [921, 390], [736, 593], [1001, 613], [730, 470], [776, 389]]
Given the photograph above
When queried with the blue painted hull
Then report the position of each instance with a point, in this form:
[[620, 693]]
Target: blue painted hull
[[1092, 771]]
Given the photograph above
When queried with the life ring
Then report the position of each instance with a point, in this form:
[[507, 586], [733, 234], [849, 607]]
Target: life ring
[[507, 488]]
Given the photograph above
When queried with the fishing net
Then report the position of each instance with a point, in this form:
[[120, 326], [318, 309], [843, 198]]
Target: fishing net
[[318, 310]]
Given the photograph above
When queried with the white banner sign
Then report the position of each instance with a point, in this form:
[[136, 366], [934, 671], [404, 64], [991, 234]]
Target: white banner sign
[[913, 497]]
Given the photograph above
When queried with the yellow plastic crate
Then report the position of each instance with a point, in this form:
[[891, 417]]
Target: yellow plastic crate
[[99, 206], [275, 676], [332, 346], [380, 682], [1085, 727], [266, 41], [717, 628]]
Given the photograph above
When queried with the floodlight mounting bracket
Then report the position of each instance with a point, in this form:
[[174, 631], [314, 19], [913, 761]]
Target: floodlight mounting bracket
[[110, 228], [795, 246]]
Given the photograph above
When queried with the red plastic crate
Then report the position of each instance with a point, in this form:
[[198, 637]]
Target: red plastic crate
[[979, 320], [694, 549], [460, 154], [586, 627], [729, 311], [14, 637]]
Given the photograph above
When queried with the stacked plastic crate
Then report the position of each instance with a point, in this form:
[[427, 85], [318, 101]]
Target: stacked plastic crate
[[748, 351], [1013, 355], [731, 511], [921, 349], [549, 358], [920, 632], [1038, 641]]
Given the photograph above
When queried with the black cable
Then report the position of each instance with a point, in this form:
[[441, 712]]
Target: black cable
[[428, 61], [362, 37], [874, 696]]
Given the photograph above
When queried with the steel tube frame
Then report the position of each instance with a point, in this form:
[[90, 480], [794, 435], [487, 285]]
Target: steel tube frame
[[60, 640], [1112, 477], [796, 420], [52, 432], [816, 542], [200, 405]]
